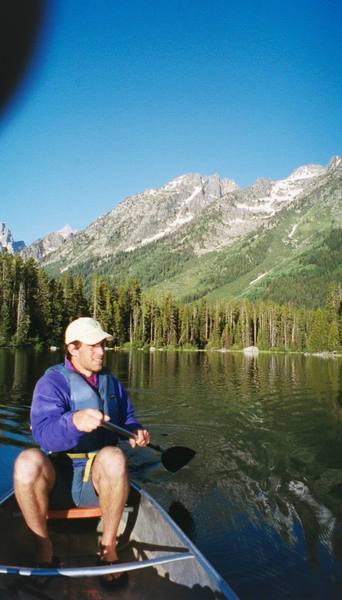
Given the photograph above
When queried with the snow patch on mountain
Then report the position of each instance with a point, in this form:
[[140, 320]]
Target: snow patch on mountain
[[195, 193], [282, 192], [306, 172], [291, 234], [265, 206], [258, 278]]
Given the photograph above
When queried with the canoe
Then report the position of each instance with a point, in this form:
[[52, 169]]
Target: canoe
[[161, 561]]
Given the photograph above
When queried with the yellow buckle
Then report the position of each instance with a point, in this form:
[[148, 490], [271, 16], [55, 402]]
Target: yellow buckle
[[90, 456]]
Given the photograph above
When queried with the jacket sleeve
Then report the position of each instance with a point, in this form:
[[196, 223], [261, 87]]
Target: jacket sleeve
[[51, 417]]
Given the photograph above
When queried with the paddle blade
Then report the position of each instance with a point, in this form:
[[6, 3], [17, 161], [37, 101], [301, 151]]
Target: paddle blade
[[176, 457]]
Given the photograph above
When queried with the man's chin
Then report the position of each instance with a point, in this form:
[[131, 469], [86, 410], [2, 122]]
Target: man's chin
[[97, 368]]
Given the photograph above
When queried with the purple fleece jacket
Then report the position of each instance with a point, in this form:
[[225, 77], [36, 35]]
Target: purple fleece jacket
[[51, 415]]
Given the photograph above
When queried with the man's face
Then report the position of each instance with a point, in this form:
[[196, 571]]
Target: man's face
[[87, 358]]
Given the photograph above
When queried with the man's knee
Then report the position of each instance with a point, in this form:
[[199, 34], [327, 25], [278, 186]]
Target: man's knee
[[111, 461], [30, 465]]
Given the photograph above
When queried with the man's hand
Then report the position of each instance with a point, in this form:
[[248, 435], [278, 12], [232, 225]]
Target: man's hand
[[88, 419], [142, 438]]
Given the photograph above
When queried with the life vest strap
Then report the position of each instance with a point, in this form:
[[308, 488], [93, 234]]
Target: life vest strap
[[90, 456]]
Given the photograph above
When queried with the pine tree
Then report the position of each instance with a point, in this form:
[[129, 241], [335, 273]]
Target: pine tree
[[7, 314], [123, 307], [216, 328], [23, 319], [184, 325], [134, 299], [81, 304], [57, 317], [169, 322], [333, 338], [245, 324], [317, 333], [262, 340]]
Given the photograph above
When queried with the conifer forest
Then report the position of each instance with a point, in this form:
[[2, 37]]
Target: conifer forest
[[35, 310]]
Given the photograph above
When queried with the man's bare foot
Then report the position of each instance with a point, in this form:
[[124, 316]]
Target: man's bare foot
[[108, 555]]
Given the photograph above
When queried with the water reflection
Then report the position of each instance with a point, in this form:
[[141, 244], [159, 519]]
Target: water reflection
[[263, 495], [20, 374]]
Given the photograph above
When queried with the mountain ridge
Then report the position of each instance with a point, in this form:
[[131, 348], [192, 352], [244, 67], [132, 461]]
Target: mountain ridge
[[49, 243], [157, 213], [205, 236]]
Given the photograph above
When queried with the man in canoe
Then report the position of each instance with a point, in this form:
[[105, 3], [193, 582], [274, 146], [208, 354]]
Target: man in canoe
[[79, 463]]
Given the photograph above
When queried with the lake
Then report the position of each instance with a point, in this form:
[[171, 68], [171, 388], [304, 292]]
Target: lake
[[262, 499]]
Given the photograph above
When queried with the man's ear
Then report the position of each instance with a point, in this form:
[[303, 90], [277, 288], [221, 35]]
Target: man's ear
[[72, 349]]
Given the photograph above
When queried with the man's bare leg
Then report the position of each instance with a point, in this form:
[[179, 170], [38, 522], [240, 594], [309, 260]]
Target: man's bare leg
[[110, 478], [34, 477]]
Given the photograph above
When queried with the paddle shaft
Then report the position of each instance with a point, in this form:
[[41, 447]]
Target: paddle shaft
[[172, 459], [127, 433]]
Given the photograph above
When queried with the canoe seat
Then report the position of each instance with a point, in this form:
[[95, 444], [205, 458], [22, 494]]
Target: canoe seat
[[80, 512], [84, 512]]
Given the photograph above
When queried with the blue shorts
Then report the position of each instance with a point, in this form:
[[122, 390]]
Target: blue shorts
[[70, 490]]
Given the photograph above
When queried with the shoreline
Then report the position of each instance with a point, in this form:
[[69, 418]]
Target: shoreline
[[254, 352]]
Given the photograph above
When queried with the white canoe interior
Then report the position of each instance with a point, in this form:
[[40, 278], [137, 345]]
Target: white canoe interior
[[161, 560]]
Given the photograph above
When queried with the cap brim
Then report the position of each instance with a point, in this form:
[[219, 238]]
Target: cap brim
[[92, 339]]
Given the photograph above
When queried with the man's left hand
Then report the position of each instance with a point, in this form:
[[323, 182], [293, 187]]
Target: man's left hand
[[142, 438]]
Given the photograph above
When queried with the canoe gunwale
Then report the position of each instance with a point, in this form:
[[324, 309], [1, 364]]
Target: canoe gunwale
[[94, 571], [6, 496]]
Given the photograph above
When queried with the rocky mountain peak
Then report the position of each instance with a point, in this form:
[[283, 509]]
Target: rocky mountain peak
[[156, 213], [213, 185], [6, 238], [7, 242], [306, 172], [335, 164], [66, 231], [52, 241]]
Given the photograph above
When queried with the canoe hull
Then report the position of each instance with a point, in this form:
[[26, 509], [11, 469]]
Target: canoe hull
[[147, 533]]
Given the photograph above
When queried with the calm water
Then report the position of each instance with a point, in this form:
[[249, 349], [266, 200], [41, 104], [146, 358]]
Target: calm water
[[263, 497]]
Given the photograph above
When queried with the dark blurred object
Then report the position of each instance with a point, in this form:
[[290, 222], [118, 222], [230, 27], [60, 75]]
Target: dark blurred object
[[20, 24], [182, 517]]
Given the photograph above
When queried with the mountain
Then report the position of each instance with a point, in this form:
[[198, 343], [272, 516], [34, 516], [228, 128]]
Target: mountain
[[7, 242], [142, 219], [204, 236], [49, 243]]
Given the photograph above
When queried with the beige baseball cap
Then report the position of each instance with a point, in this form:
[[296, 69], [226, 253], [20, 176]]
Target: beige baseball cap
[[86, 330]]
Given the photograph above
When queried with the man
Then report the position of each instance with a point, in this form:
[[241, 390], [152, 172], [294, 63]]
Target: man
[[79, 463]]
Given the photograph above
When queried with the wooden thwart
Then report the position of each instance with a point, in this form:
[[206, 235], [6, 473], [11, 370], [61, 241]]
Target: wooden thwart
[[76, 512], [79, 512]]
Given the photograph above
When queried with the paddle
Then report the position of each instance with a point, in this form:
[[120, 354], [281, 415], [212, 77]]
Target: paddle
[[172, 459]]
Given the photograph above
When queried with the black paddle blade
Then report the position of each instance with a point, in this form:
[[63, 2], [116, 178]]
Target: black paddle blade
[[176, 457]]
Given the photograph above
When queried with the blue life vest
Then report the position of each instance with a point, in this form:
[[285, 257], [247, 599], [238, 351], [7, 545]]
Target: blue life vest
[[83, 395]]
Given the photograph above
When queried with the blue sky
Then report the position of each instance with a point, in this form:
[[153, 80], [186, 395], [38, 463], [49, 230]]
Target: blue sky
[[126, 95]]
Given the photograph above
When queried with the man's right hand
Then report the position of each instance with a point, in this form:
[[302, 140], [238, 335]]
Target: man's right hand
[[88, 419]]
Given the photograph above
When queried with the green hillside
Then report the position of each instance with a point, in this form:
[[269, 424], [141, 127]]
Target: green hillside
[[291, 254], [300, 274]]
